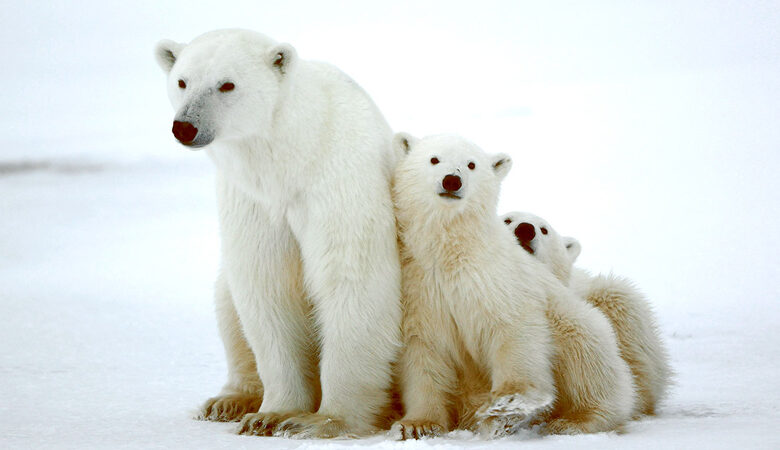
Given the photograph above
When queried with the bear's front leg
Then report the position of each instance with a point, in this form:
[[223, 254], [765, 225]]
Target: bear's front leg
[[521, 373], [262, 266], [243, 392], [427, 377], [352, 273], [426, 383]]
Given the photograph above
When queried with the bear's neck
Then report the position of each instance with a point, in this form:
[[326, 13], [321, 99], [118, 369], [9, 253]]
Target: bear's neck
[[263, 164]]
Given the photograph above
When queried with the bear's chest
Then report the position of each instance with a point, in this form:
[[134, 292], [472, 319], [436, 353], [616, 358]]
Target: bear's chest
[[258, 175]]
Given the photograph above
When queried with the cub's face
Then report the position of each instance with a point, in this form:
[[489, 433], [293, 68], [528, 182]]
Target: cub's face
[[447, 172], [224, 84], [538, 238]]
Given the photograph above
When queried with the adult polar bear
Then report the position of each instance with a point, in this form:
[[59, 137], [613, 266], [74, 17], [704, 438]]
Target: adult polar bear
[[310, 279]]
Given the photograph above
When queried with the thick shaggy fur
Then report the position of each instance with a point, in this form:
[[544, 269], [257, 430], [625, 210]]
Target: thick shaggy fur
[[492, 339], [308, 299], [627, 309]]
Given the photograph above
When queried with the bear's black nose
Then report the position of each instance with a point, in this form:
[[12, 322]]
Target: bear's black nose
[[451, 183], [185, 132], [525, 232]]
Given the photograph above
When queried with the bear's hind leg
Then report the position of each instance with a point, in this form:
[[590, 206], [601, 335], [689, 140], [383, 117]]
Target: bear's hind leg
[[595, 387], [243, 392]]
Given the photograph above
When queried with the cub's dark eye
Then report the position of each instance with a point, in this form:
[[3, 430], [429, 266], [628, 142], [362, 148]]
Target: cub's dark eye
[[544, 230], [508, 221], [472, 166], [227, 87], [182, 84], [434, 160]]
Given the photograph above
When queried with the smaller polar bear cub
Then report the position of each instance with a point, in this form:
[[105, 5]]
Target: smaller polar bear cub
[[492, 339], [629, 311]]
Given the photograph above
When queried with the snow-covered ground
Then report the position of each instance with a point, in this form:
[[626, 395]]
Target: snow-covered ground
[[107, 335], [648, 130]]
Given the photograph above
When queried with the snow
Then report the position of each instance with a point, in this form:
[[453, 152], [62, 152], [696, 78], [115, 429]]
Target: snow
[[649, 133]]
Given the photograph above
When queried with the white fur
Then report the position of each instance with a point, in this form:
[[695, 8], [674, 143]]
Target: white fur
[[462, 297], [486, 326], [627, 309], [309, 254]]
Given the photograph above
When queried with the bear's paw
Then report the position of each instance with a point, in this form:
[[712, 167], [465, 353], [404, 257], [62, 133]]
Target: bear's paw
[[263, 424], [415, 429], [493, 427], [229, 408], [312, 426], [525, 405]]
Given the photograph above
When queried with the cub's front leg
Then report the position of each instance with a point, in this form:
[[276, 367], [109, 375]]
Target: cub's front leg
[[521, 370], [427, 377]]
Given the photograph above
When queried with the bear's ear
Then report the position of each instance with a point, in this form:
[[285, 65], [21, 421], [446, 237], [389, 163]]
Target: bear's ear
[[282, 57], [166, 51], [403, 142], [573, 248], [501, 163]]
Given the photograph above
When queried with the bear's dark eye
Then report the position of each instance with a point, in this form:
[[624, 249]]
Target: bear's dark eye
[[472, 166], [227, 87], [544, 230], [508, 221], [182, 84], [434, 160]]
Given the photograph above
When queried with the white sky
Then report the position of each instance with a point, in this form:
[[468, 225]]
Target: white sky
[[649, 130]]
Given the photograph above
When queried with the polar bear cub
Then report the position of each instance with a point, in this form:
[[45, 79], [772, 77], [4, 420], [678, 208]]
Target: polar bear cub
[[629, 311], [491, 338]]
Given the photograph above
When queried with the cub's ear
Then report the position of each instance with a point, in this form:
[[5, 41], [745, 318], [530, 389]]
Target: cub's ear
[[282, 57], [573, 248], [403, 142], [501, 163], [165, 52]]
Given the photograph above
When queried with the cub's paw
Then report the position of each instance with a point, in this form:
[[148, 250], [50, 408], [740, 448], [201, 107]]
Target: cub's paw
[[229, 408], [563, 426], [581, 424], [497, 426], [313, 426], [262, 424], [415, 429], [524, 405]]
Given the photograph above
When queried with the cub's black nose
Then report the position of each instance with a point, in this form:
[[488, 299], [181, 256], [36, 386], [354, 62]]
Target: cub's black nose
[[525, 232], [185, 132], [451, 183]]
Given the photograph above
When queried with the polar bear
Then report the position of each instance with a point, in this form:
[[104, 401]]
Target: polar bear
[[492, 339], [308, 296], [629, 311]]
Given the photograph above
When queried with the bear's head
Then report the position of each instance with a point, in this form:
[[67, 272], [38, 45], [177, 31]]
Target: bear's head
[[538, 238], [447, 175], [225, 84]]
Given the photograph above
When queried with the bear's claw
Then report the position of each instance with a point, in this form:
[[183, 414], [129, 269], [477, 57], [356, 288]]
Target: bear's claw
[[261, 424], [415, 429]]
